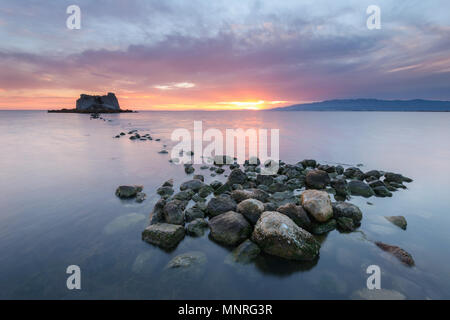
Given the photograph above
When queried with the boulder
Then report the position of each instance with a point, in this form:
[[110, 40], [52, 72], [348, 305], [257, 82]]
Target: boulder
[[297, 214], [125, 192], [165, 191], [194, 185], [240, 195], [360, 188], [187, 260], [278, 235], [251, 209], [229, 228], [317, 204], [164, 235], [340, 185], [281, 198], [157, 215], [91, 102], [264, 179], [322, 228], [382, 191], [220, 204], [347, 210], [345, 224], [197, 227], [173, 212], [237, 176], [193, 213], [309, 163], [317, 179]]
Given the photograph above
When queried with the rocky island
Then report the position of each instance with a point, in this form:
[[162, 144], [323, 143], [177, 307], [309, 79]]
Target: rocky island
[[95, 104]]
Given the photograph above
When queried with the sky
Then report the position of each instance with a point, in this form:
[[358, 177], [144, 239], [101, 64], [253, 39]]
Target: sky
[[221, 54]]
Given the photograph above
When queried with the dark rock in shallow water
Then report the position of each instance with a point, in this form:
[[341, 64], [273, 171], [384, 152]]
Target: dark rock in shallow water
[[230, 228], [278, 235], [340, 185], [347, 210], [360, 188], [165, 191], [237, 177], [189, 169], [199, 177], [193, 213], [125, 192], [345, 224], [322, 228], [372, 173], [245, 252], [281, 198], [395, 177], [157, 215], [220, 204], [399, 221], [398, 252], [164, 235], [140, 197], [317, 179], [223, 189], [216, 184], [354, 173], [278, 187], [197, 227], [184, 195], [193, 184], [240, 195], [251, 209], [308, 163], [205, 191], [382, 191], [173, 212], [317, 204], [264, 179], [187, 260], [297, 214]]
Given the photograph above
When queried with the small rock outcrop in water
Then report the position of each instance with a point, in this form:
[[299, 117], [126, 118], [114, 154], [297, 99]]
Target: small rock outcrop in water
[[95, 104], [399, 221], [273, 214], [125, 192]]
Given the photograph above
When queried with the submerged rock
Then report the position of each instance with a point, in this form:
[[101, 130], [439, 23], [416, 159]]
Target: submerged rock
[[197, 227], [322, 228], [382, 191], [173, 212], [397, 252], [377, 294], [278, 235], [140, 197], [317, 204], [230, 228], [187, 260], [399, 221], [125, 192], [244, 253], [345, 224], [164, 235]]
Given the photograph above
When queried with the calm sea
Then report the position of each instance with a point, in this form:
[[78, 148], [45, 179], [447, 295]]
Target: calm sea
[[58, 174]]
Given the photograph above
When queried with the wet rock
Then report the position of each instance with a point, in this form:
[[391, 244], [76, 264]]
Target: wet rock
[[347, 210], [322, 228], [216, 184], [399, 221], [372, 173], [220, 170], [220, 204], [317, 204], [240, 195], [317, 179], [264, 179], [157, 215], [244, 253], [140, 197], [340, 185], [193, 184], [184, 195], [360, 188], [282, 198], [197, 227], [205, 191], [395, 177], [251, 209], [309, 163], [168, 183], [163, 151], [269, 206], [297, 214], [345, 224], [278, 235], [193, 213], [173, 212], [165, 191], [278, 187], [377, 294], [237, 177], [382, 191], [339, 169], [199, 177], [397, 252], [354, 173], [229, 228], [189, 169], [164, 235], [376, 183], [125, 192]]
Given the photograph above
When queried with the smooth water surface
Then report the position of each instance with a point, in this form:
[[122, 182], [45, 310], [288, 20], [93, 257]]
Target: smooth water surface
[[58, 174]]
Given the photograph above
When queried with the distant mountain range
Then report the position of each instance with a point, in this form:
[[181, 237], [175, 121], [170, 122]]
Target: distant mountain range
[[371, 105]]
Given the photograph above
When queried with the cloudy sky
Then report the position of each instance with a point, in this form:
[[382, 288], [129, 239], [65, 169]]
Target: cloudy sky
[[221, 54]]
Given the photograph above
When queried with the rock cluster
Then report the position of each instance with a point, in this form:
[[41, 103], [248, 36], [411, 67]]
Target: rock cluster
[[280, 214]]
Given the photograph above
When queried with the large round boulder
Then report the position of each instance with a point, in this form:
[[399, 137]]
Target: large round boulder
[[278, 235], [251, 209], [317, 204], [347, 210], [317, 179], [230, 228], [220, 204]]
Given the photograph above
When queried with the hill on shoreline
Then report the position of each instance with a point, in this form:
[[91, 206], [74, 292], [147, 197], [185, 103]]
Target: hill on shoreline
[[371, 105]]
